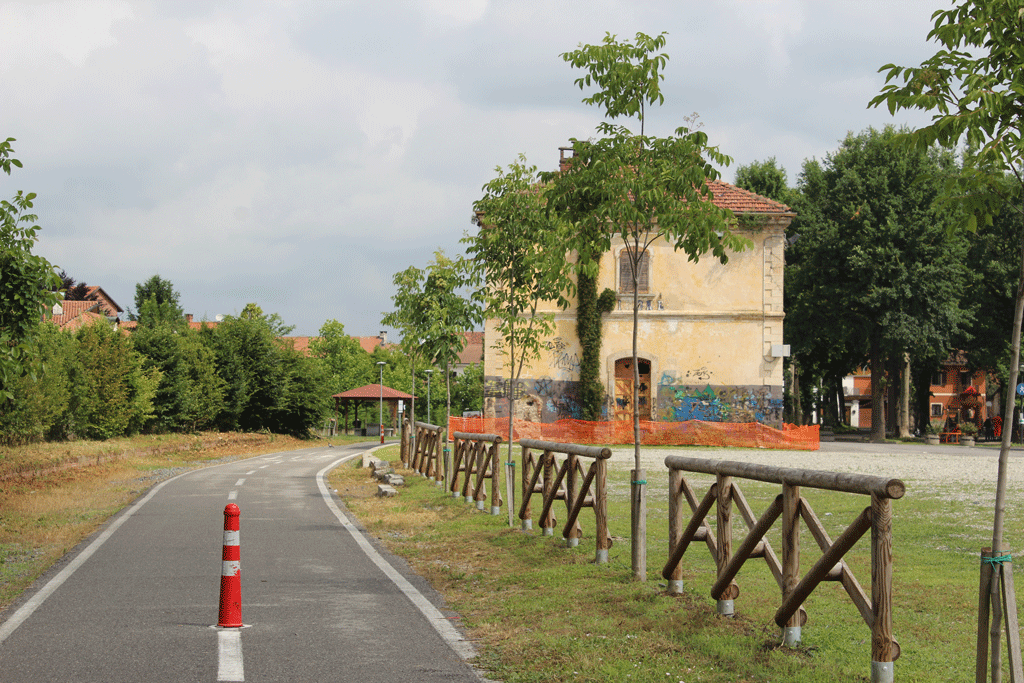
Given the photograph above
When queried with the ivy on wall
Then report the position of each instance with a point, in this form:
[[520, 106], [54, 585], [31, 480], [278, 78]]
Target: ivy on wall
[[588, 329]]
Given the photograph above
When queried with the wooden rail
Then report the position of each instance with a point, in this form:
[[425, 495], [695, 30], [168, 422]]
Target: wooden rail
[[426, 456], [475, 457], [876, 610], [565, 485]]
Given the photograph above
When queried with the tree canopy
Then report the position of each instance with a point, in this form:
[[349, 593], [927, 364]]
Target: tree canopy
[[28, 282]]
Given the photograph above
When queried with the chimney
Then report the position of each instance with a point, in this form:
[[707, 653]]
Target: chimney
[[188, 317], [383, 337], [564, 159]]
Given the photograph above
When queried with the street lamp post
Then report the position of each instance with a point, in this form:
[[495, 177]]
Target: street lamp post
[[429, 373], [380, 415]]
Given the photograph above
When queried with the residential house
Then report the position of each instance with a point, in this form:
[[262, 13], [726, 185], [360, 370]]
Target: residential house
[[97, 306], [709, 335], [956, 394]]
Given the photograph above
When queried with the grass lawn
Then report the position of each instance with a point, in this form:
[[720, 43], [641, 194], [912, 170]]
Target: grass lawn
[[542, 612]]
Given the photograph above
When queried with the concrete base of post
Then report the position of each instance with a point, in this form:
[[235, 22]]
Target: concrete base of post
[[549, 531], [495, 510], [726, 608], [675, 586], [456, 494], [572, 542], [791, 636], [881, 672], [479, 505], [602, 557], [469, 499], [527, 525]]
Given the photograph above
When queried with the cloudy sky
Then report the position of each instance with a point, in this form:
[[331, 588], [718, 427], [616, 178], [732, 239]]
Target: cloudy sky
[[298, 154]]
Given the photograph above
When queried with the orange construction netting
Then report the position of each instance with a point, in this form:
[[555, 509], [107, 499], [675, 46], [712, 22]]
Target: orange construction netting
[[691, 433]]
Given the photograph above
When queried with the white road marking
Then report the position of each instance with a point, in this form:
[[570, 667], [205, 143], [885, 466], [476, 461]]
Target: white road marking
[[229, 655], [239, 482], [264, 466], [233, 495], [441, 624], [252, 472], [297, 457]]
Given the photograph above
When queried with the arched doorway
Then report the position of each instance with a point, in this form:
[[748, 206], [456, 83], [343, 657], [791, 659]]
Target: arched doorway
[[624, 389]]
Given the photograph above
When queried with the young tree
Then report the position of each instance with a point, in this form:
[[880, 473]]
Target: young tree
[[408, 318], [973, 86], [448, 317], [156, 301], [639, 188], [516, 260], [28, 282]]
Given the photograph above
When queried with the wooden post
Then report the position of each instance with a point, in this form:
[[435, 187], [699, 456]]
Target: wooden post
[[528, 467], [997, 604], [573, 539], [790, 559], [675, 527], [723, 506], [882, 650], [492, 453], [604, 541], [547, 522]]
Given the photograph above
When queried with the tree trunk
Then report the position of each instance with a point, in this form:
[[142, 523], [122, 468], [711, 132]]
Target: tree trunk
[[638, 486], [904, 420], [877, 389]]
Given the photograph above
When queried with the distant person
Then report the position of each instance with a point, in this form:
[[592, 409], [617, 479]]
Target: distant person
[[990, 432]]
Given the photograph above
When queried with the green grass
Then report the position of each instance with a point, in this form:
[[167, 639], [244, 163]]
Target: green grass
[[543, 612]]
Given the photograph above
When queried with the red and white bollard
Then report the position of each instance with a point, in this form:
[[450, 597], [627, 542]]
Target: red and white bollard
[[230, 573]]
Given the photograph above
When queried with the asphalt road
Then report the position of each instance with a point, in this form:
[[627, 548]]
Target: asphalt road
[[320, 602]]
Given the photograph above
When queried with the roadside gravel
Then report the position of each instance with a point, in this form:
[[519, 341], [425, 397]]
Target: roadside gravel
[[964, 473]]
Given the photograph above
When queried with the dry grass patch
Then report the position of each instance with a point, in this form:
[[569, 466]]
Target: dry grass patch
[[54, 495]]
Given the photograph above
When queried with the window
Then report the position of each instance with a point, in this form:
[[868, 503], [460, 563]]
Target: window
[[626, 273], [936, 410], [938, 378], [965, 379]]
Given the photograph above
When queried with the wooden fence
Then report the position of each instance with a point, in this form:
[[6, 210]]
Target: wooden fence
[[724, 493], [562, 482], [475, 458], [426, 455]]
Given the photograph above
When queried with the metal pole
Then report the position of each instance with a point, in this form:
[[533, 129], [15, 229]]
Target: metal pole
[[380, 414]]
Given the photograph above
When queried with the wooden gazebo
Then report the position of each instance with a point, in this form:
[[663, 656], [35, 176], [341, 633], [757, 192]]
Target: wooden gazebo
[[371, 393]]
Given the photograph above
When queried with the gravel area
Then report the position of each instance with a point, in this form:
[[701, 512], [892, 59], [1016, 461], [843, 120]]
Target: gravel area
[[965, 473]]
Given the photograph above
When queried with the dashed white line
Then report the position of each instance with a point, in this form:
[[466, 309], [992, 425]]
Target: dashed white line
[[229, 655], [252, 472], [239, 482], [264, 466], [233, 495]]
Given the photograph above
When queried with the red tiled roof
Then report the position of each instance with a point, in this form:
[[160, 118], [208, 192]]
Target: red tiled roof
[[738, 200], [369, 343], [73, 310], [96, 292], [473, 352], [373, 391]]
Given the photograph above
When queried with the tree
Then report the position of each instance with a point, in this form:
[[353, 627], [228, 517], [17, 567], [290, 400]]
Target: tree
[[875, 274], [640, 188], [766, 179], [190, 393], [408, 318], [515, 261], [156, 301], [28, 282], [973, 86], [448, 317]]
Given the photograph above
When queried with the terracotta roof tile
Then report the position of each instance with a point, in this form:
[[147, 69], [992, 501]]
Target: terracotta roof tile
[[373, 391], [738, 200]]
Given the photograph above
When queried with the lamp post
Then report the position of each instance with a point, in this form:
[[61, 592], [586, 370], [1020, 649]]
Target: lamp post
[[381, 364], [429, 373]]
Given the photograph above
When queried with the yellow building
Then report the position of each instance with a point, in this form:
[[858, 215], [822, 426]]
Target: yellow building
[[709, 335]]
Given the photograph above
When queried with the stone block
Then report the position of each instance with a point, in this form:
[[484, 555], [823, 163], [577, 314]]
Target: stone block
[[385, 491]]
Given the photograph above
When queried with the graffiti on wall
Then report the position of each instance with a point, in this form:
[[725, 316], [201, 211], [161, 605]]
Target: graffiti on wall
[[681, 402], [562, 358], [538, 400]]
